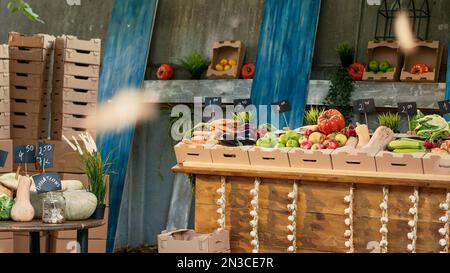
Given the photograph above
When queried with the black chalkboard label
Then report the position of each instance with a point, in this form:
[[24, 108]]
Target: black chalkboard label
[[444, 106], [25, 153], [45, 155], [407, 108], [364, 106], [47, 182], [242, 102], [284, 106], [213, 101], [3, 157]]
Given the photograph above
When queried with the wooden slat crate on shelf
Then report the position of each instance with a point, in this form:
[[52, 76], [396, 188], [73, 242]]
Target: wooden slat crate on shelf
[[72, 42], [193, 153], [4, 66], [29, 80], [75, 95], [230, 155], [425, 52], [4, 93], [30, 93], [76, 82], [301, 158], [361, 161], [399, 163], [30, 67], [74, 108], [269, 156], [5, 119], [76, 69], [4, 79], [31, 41], [436, 164], [4, 51], [77, 56], [384, 51], [30, 54]]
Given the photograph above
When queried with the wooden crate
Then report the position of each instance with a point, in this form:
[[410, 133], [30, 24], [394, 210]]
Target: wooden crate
[[76, 95], [193, 153], [399, 163], [226, 50], [31, 41], [300, 158], [30, 54], [357, 161], [4, 66], [436, 164], [426, 52], [76, 56], [230, 155], [4, 79], [384, 51], [4, 51], [269, 157], [75, 69]]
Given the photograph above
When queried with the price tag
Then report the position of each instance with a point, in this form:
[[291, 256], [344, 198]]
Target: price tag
[[46, 182], [364, 106], [444, 106], [213, 101], [3, 157], [284, 106], [45, 155], [407, 108], [240, 104], [25, 153]]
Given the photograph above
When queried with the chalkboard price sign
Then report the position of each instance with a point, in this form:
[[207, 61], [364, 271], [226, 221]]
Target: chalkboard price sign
[[364, 106], [213, 101], [444, 106], [407, 108], [47, 182], [25, 153], [242, 102], [3, 157], [45, 155], [284, 106]]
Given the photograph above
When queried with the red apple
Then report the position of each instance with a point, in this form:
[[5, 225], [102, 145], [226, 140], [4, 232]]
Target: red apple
[[333, 144], [305, 144]]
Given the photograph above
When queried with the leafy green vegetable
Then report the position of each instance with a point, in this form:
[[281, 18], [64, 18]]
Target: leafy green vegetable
[[413, 122], [6, 204], [23, 7], [432, 127]]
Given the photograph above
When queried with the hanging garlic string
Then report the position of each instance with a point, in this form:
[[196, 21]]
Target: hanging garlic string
[[384, 220], [221, 202], [349, 221], [254, 213], [414, 211], [445, 231], [292, 227]]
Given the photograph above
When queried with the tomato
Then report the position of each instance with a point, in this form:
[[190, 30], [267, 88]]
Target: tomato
[[165, 72], [331, 121], [420, 69], [356, 71], [248, 71]]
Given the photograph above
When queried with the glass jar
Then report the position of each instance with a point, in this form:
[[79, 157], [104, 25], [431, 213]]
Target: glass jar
[[53, 206]]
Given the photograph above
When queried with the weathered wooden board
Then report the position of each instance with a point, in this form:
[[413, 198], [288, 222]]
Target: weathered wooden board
[[320, 215], [447, 92]]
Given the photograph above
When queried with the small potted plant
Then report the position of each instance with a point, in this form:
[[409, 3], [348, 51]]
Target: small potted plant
[[96, 168], [346, 54], [195, 64]]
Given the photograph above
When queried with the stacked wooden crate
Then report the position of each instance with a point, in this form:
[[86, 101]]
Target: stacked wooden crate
[[75, 85], [5, 103], [31, 59]]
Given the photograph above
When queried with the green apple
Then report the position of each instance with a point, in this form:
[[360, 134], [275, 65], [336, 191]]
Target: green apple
[[390, 69], [265, 143], [280, 145], [292, 143], [341, 138], [374, 66], [331, 136], [293, 135], [284, 139], [384, 66]]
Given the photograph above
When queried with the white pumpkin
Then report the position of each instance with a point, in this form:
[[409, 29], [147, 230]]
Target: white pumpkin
[[9, 181]]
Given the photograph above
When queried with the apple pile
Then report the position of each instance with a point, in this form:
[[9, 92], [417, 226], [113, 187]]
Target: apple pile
[[318, 141]]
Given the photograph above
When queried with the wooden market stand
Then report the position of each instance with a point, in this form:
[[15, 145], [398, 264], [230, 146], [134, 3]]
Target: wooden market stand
[[320, 217]]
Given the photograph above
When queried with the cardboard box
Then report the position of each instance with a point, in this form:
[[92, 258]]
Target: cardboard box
[[30, 54], [22, 242], [4, 51], [425, 52], [4, 66], [358, 161], [74, 108], [5, 106], [71, 246], [269, 157], [230, 155], [32, 41], [300, 158], [384, 51], [76, 69], [5, 132], [7, 246], [436, 164], [399, 163], [26, 106], [188, 241], [77, 56], [72, 42], [193, 153], [29, 67], [30, 93], [76, 82], [4, 79], [75, 95], [230, 50]]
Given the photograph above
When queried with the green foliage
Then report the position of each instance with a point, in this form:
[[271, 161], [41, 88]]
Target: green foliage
[[23, 7], [392, 121], [6, 204], [340, 93], [313, 114], [344, 49], [195, 64]]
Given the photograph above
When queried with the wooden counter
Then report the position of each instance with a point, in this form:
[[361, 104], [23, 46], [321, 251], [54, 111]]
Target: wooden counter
[[320, 213]]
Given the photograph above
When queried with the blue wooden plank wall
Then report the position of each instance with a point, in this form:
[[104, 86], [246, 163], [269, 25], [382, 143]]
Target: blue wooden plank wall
[[124, 64], [285, 53]]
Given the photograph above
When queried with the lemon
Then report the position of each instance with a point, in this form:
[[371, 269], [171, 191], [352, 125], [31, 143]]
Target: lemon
[[227, 67], [224, 62], [232, 62], [219, 67]]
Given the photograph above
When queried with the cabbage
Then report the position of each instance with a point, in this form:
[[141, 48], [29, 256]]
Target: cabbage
[[6, 204]]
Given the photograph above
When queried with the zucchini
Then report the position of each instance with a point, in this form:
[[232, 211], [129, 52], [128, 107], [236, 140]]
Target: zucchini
[[413, 140], [408, 151], [404, 144]]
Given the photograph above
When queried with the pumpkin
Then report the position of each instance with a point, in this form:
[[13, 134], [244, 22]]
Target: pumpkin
[[164, 72], [9, 181], [331, 121], [80, 204], [248, 71], [22, 210]]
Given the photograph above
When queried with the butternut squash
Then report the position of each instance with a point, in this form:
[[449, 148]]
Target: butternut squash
[[379, 140], [362, 130], [23, 211], [350, 146]]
